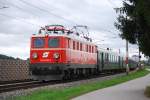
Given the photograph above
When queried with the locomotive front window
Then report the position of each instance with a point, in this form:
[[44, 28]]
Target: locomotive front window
[[38, 42], [53, 42]]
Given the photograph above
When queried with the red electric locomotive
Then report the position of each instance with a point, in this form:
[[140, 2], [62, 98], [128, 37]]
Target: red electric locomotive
[[57, 53]]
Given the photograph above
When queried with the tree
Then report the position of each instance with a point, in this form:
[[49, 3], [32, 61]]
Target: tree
[[134, 23], [6, 57]]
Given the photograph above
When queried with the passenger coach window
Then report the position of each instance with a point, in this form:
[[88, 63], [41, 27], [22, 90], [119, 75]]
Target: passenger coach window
[[53, 42], [38, 43]]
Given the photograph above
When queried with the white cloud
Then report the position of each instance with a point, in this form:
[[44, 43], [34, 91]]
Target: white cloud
[[15, 31], [16, 51]]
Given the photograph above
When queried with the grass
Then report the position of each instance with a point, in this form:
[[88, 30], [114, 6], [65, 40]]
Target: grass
[[68, 93]]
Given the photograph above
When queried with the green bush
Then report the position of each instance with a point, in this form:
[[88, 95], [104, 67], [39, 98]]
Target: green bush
[[147, 91]]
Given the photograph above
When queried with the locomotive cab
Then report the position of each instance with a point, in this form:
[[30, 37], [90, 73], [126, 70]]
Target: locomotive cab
[[47, 49], [47, 55]]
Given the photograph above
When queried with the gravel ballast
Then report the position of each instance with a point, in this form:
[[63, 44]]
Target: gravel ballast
[[12, 94]]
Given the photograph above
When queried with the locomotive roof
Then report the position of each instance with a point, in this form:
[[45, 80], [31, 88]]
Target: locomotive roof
[[78, 38], [71, 36]]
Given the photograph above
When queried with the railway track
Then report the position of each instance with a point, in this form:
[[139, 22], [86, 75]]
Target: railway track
[[32, 84], [25, 85], [15, 86]]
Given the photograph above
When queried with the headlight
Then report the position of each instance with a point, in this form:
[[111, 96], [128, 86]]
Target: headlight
[[34, 55], [56, 55]]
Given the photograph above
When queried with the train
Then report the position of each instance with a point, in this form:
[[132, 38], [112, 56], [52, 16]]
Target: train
[[58, 53]]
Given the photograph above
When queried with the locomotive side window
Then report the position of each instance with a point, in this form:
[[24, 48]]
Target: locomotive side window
[[38, 43], [92, 49], [68, 43], [80, 46], [53, 42], [77, 45], [87, 48], [74, 45], [95, 49]]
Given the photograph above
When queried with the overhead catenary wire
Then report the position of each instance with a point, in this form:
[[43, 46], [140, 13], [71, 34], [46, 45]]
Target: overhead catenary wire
[[112, 4], [41, 9], [48, 12], [113, 7], [15, 6], [19, 19], [19, 8], [101, 28]]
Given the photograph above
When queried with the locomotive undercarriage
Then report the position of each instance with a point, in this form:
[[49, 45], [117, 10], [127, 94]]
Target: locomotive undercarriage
[[46, 72], [42, 71], [60, 71]]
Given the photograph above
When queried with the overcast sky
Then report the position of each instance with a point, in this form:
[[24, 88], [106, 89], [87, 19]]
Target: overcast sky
[[24, 18]]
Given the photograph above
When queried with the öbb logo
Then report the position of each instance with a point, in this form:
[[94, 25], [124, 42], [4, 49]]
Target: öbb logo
[[45, 54]]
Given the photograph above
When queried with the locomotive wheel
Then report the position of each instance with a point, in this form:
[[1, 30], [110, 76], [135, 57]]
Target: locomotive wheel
[[67, 75]]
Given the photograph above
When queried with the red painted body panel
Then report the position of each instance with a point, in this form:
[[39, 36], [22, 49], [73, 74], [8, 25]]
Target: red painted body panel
[[81, 57], [68, 54], [50, 58]]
